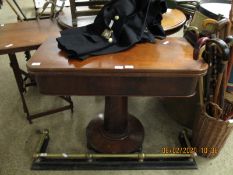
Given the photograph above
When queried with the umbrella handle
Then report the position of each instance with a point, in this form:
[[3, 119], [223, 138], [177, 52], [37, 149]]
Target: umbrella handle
[[197, 49], [222, 48]]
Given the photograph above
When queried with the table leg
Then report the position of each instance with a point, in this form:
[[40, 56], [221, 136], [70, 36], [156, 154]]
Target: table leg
[[117, 131], [19, 80]]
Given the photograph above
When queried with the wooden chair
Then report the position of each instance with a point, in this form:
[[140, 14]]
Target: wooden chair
[[93, 7]]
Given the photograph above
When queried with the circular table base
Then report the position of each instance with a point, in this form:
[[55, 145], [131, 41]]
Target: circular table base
[[101, 141]]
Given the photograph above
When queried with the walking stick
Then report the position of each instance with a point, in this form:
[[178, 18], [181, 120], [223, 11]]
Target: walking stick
[[223, 54], [229, 42]]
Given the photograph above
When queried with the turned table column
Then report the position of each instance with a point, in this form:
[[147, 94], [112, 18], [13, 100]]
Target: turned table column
[[117, 131]]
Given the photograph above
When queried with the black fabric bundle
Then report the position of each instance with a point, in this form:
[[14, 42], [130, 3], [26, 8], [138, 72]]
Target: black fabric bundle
[[118, 26]]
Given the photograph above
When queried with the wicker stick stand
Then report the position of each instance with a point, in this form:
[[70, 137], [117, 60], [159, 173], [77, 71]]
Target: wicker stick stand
[[210, 135]]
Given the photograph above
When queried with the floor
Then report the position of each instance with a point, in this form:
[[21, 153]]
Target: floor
[[18, 139]]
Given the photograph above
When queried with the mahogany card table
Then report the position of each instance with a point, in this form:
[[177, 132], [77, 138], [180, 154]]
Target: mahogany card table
[[164, 69]]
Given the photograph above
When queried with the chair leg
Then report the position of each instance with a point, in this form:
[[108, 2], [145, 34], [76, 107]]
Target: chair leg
[[73, 13], [20, 10]]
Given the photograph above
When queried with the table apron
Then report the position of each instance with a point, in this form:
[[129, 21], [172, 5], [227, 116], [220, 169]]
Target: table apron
[[120, 86]]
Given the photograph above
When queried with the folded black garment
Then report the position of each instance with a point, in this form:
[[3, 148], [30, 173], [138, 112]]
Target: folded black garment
[[118, 26]]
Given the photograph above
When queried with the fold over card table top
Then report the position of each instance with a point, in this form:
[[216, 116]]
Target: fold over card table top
[[168, 65], [166, 68]]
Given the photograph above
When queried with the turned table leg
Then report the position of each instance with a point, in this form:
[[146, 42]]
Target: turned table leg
[[117, 131]]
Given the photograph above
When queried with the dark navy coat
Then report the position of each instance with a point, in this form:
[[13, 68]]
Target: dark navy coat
[[118, 26]]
